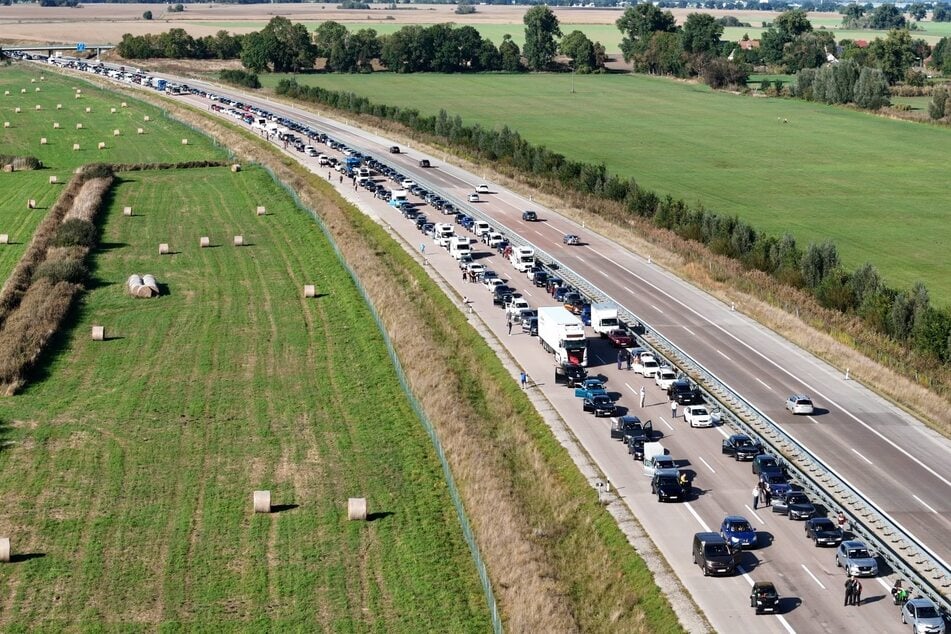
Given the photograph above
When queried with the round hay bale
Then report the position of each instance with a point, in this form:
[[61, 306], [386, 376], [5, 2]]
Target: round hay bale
[[112, 110], [79, 126], [204, 241], [98, 333], [37, 89], [261, 211], [310, 290], [239, 241], [139, 131], [116, 133], [6, 552], [102, 146], [59, 106], [31, 204], [43, 141], [4, 238], [125, 105], [127, 211], [357, 509], [17, 110], [146, 118], [184, 141], [6, 93], [143, 292], [32, 80], [88, 109], [262, 501], [134, 280], [75, 146], [54, 180], [39, 107], [79, 91], [78, 95], [55, 126], [149, 280], [6, 124], [163, 248], [236, 167], [22, 90]]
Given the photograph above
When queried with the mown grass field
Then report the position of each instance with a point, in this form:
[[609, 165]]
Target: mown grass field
[[873, 185], [16, 220], [129, 468]]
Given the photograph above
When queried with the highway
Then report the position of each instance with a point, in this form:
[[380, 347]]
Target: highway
[[895, 461]]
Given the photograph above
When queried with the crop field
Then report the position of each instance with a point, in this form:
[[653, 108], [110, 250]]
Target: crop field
[[16, 220], [127, 471], [873, 185]]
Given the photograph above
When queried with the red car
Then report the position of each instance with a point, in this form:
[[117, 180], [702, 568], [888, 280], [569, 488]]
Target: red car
[[620, 339]]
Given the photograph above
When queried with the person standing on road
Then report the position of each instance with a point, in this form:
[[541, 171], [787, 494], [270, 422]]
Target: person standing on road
[[524, 379], [848, 591], [673, 408], [755, 498], [620, 358], [628, 356], [642, 395], [510, 326], [767, 495], [857, 592]]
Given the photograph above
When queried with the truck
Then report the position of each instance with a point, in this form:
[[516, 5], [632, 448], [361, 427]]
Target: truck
[[562, 333], [523, 259], [604, 318]]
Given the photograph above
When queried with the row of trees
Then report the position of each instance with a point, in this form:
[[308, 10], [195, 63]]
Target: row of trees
[[178, 44], [846, 82], [905, 315]]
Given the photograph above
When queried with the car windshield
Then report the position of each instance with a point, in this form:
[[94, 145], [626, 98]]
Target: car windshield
[[717, 549], [743, 442], [699, 411], [926, 612], [824, 525], [775, 479], [739, 527], [664, 463], [858, 553], [667, 480], [767, 463], [797, 498], [602, 399]]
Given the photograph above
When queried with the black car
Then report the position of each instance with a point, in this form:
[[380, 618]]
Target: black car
[[424, 163], [741, 447], [570, 374], [666, 487], [635, 447], [529, 216], [823, 531], [684, 393], [625, 424], [540, 278], [394, 149], [503, 295], [765, 463], [764, 598], [600, 404], [794, 504]]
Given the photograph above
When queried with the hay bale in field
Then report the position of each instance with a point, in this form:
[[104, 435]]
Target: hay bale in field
[[22, 90], [78, 95], [79, 91], [88, 109], [98, 333], [310, 290], [102, 146], [43, 141], [112, 110], [79, 126], [204, 241], [6, 124], [17, 110], [6, 93], [239, 241], [55, 126], [59, 106], [184, 141], [139, 131], [38, 107], [75, 146], [6, 552], [357, 509], [143, 292], [261, 210], [127, 211], [146, 118], [54, 180], [37, 89], [262, 501], [116, 133], [163, 248], [31, 204], [32, 80], [125, 105], [4, 238], [236, 167], [8, 168], [134, 284], [149, 280]]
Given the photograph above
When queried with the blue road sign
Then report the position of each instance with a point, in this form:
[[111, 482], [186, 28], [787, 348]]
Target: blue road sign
[[81, 47]]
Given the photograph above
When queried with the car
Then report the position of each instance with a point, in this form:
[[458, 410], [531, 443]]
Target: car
[[635, 447], [765, 463], [408, 184], [424, 163], [530, 326], [473, 198], [475, 269], [590, 387], [666, 486], [570, 374], [738, 532], [684, 393], [764, 598], [795, 505], [799, 404], [529, 216], [540, 278], [923, 615], [482, 189], [854, 556], [776, 483], [394, 149], [658, 462], [599, 404], [502, 295], [741, 447], [664, 376], [571, 239], [620, 338], [698, 416], [713, 554], [573, 302], [823, 531], [490, 282], [645, 364], [621, 425]]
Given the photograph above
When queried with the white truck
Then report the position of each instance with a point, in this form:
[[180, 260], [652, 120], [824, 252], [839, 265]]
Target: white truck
[[459, 246], [443, 234], [604, 318], [523, 259], [562, 333]]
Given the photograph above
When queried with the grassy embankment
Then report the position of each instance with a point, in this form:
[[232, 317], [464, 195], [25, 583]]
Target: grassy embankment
[[128, 465], [872, 185]]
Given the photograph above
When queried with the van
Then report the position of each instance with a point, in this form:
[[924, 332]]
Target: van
[[443, 234], [712, 554], [459, 246], [481, 227]]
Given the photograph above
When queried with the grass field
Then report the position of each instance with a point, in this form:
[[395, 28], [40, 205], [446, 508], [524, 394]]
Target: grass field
[[16, 220], [873, 185], [129, 469]]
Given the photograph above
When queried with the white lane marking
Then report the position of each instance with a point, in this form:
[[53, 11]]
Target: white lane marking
[[628, 386], [764, 385], [539, 233], [861, 456], [724, 356], [812, 418], [664, 421], [788, 373], [786, 624], [527, 293], [708, 466], [814, 578], [657, 309], [598, 358], [703, 524], [628, 290], [690, 331], [722, 431], [923, 503], [580, 259], [755, 514]]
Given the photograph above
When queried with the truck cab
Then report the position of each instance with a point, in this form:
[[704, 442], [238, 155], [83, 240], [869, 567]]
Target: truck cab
[[523, 259], [459, 247]]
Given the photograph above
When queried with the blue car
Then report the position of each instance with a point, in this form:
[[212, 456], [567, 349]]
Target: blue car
[[738, 532], [776, 483], [590, 388]]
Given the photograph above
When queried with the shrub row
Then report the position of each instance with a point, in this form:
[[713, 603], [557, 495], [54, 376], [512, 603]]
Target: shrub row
[[240, 78], [20, 163], [906, 315]]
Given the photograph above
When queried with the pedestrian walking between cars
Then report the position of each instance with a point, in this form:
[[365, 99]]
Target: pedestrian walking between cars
[[673, 409], [642, 397], [755, 498]]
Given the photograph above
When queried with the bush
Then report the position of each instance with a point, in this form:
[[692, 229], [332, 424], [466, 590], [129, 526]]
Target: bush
[[240, 78], [72, 271], [96, 170], [353, 4], [75, 233], [722, 73], [464, 8], [147, 15]]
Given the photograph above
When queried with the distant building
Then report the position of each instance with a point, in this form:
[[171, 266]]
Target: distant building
[[748, 45]]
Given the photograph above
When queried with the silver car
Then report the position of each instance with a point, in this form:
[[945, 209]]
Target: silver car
[[799, 404], [923, 615], [854, 556]]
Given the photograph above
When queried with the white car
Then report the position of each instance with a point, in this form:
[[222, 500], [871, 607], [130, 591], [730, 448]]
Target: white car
[[491, 282], [473, 198], [664, 376], [518, 305], [475, 268], [656, 463], [408, 184], [482, 189], [799, 404], [645, 364], [698, 416]]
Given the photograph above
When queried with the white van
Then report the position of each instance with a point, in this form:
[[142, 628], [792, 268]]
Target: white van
[[443, 234], [480, 227], [459, 246]]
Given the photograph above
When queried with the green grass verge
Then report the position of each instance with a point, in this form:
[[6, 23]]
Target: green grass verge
[[133, 462], [16, 220], [871, 184]]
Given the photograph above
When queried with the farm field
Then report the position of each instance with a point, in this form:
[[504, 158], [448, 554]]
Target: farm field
[[128, 470], [16, 220], [875, 186]]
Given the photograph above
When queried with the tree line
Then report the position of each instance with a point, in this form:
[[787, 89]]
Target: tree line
[[903, 314]]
